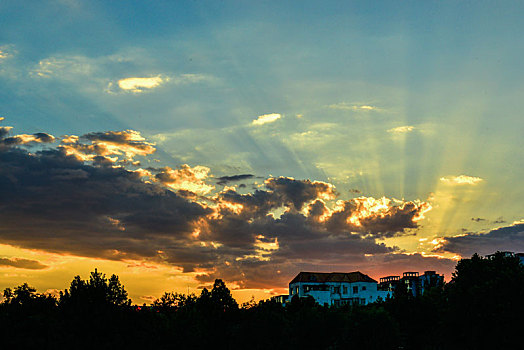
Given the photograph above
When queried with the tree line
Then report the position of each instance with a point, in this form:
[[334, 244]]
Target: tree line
[[479, 308]]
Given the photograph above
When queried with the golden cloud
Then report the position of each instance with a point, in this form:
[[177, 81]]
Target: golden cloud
[[266, 118], [461, 180], [136, 84], [110, 143], [186, 178]]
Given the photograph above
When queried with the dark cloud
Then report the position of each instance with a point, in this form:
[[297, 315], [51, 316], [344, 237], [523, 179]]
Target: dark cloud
[[55, 202], [4, 131], [22, 263], [126, 137], [478, 219], [296, 193], [509, 238], [224, 180], [24, 138]]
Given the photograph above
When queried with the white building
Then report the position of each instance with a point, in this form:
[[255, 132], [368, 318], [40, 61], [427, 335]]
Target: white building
[[336, 288]]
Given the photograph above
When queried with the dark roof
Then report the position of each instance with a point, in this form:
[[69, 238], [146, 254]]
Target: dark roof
[[322, 277]]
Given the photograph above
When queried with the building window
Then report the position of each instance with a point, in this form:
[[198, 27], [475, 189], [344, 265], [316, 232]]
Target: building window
[[363, 287], [355, 290], [345, 290], [336, 290]]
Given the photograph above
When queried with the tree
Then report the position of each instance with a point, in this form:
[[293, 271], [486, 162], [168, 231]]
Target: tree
[[174, 301], [98, 291], [485, 300], [221, 297], [26, 296]]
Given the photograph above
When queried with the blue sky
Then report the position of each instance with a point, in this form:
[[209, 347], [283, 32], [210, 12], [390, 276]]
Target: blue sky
[[408, 100]]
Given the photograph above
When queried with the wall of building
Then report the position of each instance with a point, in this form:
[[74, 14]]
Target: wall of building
[[339, 292]]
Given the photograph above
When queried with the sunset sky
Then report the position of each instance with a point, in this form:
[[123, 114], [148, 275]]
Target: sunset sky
[[175, 142]]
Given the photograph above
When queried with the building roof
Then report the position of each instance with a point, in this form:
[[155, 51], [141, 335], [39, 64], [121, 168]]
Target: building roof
[[323, 277]]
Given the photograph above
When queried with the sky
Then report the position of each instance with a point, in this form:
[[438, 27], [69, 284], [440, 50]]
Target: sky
[[172, 143]]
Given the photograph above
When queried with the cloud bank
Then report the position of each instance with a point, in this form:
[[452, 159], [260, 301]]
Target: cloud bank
[[86, 197], [508, 238]]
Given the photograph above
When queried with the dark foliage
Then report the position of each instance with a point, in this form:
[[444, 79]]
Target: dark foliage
[[479, 308]]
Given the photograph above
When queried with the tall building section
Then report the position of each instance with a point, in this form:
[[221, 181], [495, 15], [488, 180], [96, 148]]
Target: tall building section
[[414, 283]]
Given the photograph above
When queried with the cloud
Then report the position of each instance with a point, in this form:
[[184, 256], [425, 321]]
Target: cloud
[[266, 118], [22, 263], [143, 84], [140, 84], [97, 74], [101, 145], [66, 67], [401, 129], [186, 178], [377, 217], [223, 180], [6, 51], [297, 193], [478, 219], [4, 131], [509, 238], [461, 180], [57, 203], [353, 107], [24, 139]]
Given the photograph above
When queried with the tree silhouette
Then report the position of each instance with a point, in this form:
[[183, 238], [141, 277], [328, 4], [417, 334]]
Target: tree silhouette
[[485, 301], [27, 297], [98, 291], [171, 301], [221, 297]]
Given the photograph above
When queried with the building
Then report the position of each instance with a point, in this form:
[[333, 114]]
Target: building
[[415, 284], [508, 255], [337, 288]]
